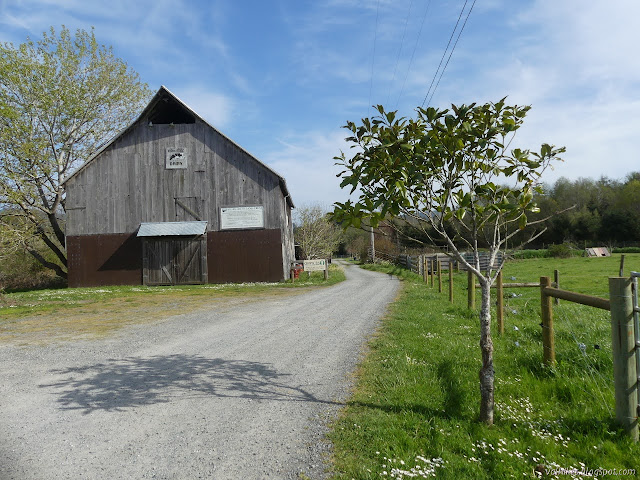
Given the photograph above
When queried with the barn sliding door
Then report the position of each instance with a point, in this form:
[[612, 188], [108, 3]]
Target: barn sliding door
[[174, 261]]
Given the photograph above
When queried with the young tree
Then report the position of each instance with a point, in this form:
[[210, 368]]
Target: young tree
[[450, 173], [60, 99], [317, 236]]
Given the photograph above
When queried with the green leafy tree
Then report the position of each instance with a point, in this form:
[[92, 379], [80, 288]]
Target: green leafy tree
[[450, 172], [60, 99]]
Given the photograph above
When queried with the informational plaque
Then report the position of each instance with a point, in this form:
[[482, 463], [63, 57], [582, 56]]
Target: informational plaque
[[241, 217], [176, 158], [314, 265]]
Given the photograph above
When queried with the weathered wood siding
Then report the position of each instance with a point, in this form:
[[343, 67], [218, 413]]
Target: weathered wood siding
[[128, 184]]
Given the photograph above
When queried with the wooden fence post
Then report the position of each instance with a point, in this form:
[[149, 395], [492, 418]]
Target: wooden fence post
[[623, 347], [548, 343], [622, 265], [450, 281], [556, 279], [471, 290], [433, 267], [425, 270], [500, 304], [439, 276]]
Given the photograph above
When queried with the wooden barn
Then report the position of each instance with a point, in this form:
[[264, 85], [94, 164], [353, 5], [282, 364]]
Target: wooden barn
[[170, 200]]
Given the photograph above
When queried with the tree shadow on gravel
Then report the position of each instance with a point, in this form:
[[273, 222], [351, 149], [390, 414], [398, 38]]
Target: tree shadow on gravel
[[117, 385]]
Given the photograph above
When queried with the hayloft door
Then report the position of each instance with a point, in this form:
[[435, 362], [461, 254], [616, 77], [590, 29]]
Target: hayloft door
[[174, 260]]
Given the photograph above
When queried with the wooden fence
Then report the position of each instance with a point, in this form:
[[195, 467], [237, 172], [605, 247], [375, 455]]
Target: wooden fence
[[622, 305], [417, 263], [625, 333]]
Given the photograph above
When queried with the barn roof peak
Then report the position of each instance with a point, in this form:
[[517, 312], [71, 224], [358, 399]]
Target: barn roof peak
[[165, 108]]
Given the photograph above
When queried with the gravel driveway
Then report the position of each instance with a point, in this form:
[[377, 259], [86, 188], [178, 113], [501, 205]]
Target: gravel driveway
[[236, 392]]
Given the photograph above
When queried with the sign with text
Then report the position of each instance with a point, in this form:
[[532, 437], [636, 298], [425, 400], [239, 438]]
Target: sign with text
[[314, 265], [241, 217], [176, 158]]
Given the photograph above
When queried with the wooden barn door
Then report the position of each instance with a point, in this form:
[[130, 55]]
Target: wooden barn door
[[174, 261]]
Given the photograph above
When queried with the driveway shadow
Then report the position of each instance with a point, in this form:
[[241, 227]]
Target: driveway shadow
[[117, 385]]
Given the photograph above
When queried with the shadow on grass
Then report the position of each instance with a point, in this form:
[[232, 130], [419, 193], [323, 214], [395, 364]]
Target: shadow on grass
[[454, 394], [118, 385], [453, 404]]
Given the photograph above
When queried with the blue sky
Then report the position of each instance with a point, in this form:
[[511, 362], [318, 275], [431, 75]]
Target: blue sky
[[280, 77]]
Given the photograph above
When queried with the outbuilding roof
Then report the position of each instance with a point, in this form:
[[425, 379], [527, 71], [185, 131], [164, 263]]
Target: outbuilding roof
[[171, 229]]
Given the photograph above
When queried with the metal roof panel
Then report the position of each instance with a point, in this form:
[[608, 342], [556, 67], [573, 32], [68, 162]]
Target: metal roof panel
[[171, 229]]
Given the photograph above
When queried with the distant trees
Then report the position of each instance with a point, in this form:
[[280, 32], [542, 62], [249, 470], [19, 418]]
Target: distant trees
[[314, 233], [60, 98], [606, 212]]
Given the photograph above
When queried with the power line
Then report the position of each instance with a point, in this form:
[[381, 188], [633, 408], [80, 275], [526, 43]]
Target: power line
[[435, 75], [373, 58], [413, 53], [451, 53], [395, 68]]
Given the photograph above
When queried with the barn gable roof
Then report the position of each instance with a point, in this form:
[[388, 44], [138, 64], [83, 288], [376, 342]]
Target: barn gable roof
[[164, 106]]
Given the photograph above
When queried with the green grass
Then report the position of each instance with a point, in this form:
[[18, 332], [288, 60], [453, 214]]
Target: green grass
[[417, 395], [42, 316]]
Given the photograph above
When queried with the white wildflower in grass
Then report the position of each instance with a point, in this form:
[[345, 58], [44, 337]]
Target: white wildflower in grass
[[423, 467], [521, 412], [414, 361], [429, 335]]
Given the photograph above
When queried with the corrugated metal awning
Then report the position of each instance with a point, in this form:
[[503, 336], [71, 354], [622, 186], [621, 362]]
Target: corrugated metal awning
[[171, 229]]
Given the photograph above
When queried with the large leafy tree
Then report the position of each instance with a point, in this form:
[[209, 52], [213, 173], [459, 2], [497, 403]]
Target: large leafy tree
[[451, 174], [60, 98]]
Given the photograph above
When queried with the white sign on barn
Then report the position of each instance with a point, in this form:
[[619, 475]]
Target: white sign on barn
[[314, 265], [176, 158], [241, 217]]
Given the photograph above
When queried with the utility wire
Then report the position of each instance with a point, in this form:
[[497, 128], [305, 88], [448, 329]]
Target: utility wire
[[373, 58], [435, 75], [395, 68], [413, 54], [451, 53]]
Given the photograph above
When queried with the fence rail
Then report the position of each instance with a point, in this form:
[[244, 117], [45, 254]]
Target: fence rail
[[416, 263], [622, 305]]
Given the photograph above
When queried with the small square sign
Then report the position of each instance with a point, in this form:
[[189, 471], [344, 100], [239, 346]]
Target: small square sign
[[176, 158]]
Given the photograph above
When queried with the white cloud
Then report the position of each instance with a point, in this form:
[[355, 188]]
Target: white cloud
[[573, 61], [215, 108], [306, 161]]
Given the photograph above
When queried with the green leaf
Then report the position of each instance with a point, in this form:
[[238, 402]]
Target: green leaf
[[522, 221]]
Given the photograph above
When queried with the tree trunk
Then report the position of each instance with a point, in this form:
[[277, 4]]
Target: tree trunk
[[56, 268], [487, 372]]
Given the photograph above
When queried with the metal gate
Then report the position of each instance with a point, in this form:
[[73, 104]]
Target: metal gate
[[174, 260]]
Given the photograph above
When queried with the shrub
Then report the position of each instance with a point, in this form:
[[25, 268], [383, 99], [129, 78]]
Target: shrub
[[560, 251], [524, 254]]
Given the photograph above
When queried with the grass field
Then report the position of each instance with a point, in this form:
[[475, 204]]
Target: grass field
[[43, 316], [414, 410]]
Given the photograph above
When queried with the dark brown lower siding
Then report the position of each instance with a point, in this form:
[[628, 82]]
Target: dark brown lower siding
[[245, 256], [233, 256], [114, 259]]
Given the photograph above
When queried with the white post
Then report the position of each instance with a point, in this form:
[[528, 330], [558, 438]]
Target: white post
[[373, 247]]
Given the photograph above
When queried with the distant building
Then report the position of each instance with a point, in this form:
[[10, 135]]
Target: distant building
[[170, 200]]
